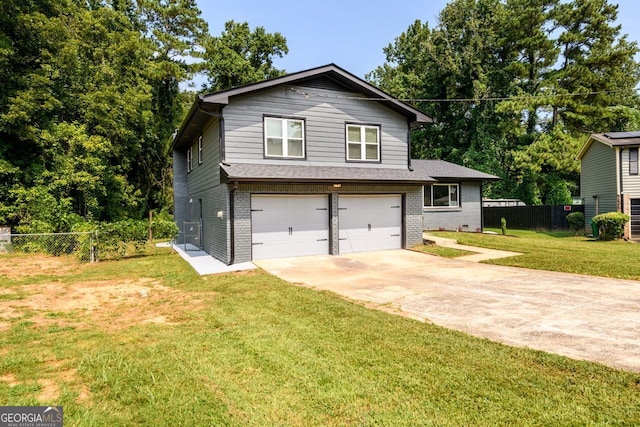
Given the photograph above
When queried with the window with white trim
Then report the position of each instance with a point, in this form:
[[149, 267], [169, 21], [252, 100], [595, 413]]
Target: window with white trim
[[284, 137], [189, 159], [200, 150], [633, 161], [363, 143], [441, 195]]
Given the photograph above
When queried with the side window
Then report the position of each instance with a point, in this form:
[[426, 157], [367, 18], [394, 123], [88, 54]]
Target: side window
[[441, 195], [363, 143], [633, 161], [284, 137], [200, 150], [189, 159]]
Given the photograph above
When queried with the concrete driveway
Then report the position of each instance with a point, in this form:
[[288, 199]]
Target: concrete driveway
[[582, 317]]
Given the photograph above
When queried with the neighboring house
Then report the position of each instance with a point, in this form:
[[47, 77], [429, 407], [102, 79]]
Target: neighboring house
[[609, 179], [314, 162], [455, 201]]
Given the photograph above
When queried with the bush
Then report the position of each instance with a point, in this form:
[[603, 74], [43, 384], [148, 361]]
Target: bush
[[115, 237], [163, 226], [610, 225], [576, 221], [503, 226]]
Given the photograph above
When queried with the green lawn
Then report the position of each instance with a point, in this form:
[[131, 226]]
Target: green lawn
[[559, 251], [145, 341], [442, 251]]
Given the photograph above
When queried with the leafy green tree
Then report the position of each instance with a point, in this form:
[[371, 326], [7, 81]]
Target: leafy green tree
[[536, 77], [240, 56]]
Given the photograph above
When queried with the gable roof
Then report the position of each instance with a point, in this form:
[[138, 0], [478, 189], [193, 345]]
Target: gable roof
[[611, 139], [209, 105], [440, 169], [329, 174]]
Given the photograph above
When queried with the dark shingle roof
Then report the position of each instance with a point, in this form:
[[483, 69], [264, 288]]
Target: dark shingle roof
[[440, 169], [333, 174], [611, 139]]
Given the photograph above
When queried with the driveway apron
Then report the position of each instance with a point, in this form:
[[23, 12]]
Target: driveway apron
[[583, 317]]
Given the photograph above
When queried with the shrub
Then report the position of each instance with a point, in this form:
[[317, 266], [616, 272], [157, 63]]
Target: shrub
[[610, 225], [115, 237], [163, 226], [576, 221], [503, 226]]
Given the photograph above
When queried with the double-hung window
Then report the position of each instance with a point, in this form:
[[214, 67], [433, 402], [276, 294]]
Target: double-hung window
[[363, 143], [284, 137], [190, 159], [633, 161], [200, 150], [441, 195]]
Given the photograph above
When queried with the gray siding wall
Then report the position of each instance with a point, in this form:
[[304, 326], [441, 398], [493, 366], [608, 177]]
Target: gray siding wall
[[207, 174], [242, 207], [325, 126], [200, 193], [180, 191], [630, 183], [468, 216], [598, 177]]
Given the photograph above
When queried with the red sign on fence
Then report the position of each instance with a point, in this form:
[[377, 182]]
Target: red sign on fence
[[567, 207]]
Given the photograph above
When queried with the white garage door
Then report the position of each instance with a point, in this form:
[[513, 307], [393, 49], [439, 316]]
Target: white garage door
[[286, 226], [370, 223]]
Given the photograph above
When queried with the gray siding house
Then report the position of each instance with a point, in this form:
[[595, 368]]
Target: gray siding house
[[314, 162], [609, 179], [454, 202]]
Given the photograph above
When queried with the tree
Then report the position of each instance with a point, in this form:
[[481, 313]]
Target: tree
[[240, 56], [76, 114], [520, 84]]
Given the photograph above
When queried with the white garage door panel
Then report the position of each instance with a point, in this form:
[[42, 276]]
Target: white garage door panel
[[286, 226], [370, 223]]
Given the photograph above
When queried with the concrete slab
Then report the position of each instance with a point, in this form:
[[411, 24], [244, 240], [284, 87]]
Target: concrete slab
[[204, 263], [582, 317]]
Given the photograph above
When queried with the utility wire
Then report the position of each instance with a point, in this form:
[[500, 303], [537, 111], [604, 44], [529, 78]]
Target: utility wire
[[512, 98]]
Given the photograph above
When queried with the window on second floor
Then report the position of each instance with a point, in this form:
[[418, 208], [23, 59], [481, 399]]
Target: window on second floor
[[200, 150], [189, 159], [633, 161], [441, 195], [284, 137], [363, 143]]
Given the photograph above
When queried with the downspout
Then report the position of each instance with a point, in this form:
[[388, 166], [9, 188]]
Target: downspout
[[222, 139], [620, 189], [409, 147], [232, 218], [481, 209]]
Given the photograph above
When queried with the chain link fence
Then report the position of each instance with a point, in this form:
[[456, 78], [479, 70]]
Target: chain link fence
[[82, 245]]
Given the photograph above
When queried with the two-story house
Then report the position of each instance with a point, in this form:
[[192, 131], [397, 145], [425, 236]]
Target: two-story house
[[314, 162], [609, 179]]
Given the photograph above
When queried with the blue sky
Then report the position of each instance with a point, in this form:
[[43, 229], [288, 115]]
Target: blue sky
[[349, 33]]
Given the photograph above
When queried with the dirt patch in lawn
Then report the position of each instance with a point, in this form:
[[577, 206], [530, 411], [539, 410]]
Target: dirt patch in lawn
[[33, 265], [108, 304]]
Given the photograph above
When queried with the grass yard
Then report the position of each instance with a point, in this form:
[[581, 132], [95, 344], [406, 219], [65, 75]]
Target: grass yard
[[442, 251], [559, 251], [145, 341]]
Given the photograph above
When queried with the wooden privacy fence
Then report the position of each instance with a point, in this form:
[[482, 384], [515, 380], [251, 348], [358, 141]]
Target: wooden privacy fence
[[549, 218]]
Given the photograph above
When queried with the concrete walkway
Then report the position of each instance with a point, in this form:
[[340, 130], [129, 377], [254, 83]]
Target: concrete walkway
[[481, 254], [203, 263], [583, 317]]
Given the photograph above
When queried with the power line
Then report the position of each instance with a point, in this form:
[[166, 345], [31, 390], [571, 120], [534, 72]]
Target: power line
[[511, 98]]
